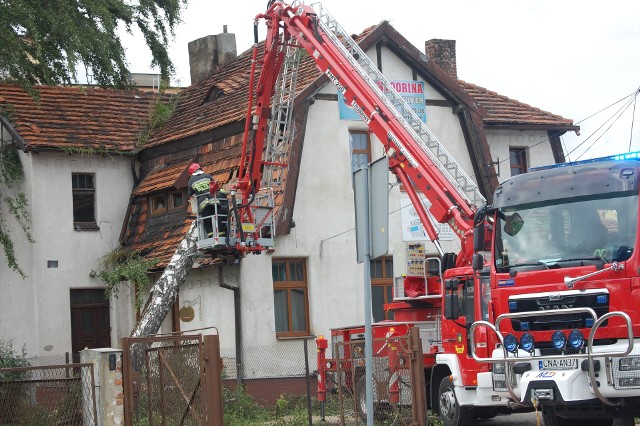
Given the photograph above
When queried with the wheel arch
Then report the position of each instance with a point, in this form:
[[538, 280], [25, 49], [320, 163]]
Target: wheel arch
[[438, 372]]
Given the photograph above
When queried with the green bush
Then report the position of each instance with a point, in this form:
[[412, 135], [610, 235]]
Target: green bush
[[10, 390], [240, 409], [9, 358]]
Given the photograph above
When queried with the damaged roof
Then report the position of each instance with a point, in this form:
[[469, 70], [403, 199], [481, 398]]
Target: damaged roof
[[80, 118]]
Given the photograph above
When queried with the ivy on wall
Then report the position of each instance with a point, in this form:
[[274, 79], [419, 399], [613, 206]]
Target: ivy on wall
[[12, 203], [121, 265]]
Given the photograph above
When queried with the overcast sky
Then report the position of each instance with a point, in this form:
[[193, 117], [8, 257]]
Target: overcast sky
[[568, 57]]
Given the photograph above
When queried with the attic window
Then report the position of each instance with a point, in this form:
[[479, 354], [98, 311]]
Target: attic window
[[214, 94], [163, 203]]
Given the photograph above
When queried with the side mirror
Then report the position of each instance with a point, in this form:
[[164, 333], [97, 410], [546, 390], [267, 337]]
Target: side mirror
[[452, 284], [477, 262], [451, 306], [479, 237]]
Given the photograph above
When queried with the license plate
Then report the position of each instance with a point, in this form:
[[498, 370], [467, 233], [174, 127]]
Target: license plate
[[558, 364]]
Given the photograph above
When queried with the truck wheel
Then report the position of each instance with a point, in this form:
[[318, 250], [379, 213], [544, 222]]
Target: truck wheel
[[361, 398], [451, 413], [381, 410]]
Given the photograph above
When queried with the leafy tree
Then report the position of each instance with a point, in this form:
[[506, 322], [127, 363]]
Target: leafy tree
[[45, 42]]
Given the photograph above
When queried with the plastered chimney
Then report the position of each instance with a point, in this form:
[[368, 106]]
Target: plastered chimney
[[206, 54], [443, 54]]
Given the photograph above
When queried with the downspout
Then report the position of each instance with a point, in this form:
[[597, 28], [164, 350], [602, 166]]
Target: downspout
[[238, 324]]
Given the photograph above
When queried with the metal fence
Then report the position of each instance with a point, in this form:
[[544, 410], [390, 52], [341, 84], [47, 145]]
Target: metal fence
[[48, 394], [280, 384], [172, 380]]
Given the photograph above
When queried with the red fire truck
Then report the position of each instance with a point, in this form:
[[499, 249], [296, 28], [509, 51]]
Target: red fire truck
[[537, 307]]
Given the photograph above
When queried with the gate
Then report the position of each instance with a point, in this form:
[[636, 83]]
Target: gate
[[172, 380], [49, 394]]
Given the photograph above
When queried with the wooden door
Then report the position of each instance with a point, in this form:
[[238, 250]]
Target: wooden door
[[90, 323]]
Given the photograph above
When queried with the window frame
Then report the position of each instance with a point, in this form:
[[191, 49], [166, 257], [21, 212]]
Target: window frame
[[353, 151], [152, 204], [288, 285], [518, 153], [79, 225], [172, 197], [386, 282]]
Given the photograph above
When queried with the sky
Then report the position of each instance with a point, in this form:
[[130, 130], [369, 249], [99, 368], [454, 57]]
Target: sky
[[571, 58]]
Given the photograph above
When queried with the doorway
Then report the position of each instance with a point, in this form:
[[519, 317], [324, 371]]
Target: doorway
[[90, 322]]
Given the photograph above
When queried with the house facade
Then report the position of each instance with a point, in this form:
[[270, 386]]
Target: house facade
[[75, 148]]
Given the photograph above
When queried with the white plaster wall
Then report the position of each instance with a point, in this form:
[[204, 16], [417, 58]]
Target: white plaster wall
[[536, 141], [212, 305], [40, 316], [17, 308]]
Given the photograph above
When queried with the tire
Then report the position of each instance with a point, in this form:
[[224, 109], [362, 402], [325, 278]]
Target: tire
[[361, 398], [451, 413], [381, 411]]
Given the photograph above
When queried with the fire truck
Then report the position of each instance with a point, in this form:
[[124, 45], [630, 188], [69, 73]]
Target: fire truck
[[530, 312]]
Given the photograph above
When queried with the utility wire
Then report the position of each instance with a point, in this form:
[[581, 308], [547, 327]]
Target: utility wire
[[633, 117], [616, 115]]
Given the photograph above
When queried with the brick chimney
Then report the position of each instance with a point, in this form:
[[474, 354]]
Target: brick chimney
[[206, 54], [443, 54]]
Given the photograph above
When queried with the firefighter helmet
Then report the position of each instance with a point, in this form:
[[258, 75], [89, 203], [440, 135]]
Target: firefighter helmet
[[193, 167]]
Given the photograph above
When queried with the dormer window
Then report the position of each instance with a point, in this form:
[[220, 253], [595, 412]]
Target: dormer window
[[159, 204], [176, 200], [163, 203]]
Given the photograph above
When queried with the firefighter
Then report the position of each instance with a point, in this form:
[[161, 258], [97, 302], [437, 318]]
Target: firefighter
[[199, 183]]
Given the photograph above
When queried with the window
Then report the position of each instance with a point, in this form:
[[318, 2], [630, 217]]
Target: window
[[84, 201], [291, 303], [381, 287], [158, 204], [176, 200], [518, 160], [161, 204], [360, 144]]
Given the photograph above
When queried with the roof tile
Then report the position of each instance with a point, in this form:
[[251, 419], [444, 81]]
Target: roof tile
[[56, 117]]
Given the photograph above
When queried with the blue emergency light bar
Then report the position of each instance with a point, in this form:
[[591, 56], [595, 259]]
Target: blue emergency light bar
[[617, 157]]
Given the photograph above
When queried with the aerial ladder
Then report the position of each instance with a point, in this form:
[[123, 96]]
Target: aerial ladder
[[417, 158]]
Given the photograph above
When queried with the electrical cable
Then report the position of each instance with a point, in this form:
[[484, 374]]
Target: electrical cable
[[613, 117], [633, 117]]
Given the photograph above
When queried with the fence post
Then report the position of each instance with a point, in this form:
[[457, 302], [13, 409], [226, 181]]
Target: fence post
[[127, 378], [308, 380], [418, 390], [213, 380]]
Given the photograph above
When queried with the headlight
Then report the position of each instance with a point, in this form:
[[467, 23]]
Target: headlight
[[510, 343], [576, 339], [559, 340], [526, 342], [498, 368], [628, 364]]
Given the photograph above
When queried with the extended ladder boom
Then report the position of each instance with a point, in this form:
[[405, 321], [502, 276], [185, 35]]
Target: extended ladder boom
[[415, 155]]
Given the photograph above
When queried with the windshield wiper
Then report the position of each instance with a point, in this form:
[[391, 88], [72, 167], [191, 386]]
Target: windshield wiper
[[576, 259], [537, 263]]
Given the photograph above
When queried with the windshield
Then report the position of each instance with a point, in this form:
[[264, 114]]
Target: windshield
[[602, 228]]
